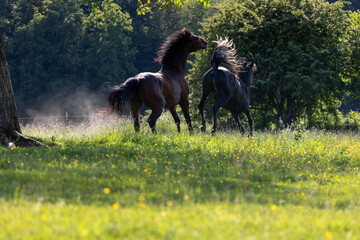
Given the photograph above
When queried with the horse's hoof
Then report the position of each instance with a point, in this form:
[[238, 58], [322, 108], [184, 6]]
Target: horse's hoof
[[250, 135], [242, 131]]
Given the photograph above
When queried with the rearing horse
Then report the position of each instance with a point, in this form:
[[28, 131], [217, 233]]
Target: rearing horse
[[230, 87], [164, 89]]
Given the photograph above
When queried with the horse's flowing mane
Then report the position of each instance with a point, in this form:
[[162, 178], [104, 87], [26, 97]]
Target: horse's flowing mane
[[171, 44], [225, 53]]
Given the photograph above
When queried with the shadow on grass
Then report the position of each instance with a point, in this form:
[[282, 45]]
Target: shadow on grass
[[134, 169]]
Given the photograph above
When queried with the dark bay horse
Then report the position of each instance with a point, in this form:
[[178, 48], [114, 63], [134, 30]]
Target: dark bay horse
[[230, 86], [164, 89]]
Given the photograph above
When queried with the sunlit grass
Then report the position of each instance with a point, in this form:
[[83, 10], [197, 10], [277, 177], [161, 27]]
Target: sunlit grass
[[24, 220], [102, 180]]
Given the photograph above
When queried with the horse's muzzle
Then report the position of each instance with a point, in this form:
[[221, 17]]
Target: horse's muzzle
[[204, 44]]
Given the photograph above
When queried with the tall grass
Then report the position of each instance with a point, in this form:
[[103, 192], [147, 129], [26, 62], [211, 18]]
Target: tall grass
[[101, 180]]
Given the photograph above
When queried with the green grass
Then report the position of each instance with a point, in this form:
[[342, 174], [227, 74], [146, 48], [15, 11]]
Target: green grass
[[103, 181]]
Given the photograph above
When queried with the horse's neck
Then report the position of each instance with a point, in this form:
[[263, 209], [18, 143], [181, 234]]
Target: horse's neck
[[245, 87], [178, 62], [245, 80], [246, 84]]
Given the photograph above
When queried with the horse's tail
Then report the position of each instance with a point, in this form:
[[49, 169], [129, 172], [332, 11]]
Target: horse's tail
[[119, 95], [225, 53]]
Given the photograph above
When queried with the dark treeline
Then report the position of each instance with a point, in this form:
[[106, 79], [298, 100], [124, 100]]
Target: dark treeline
[[64, 61]]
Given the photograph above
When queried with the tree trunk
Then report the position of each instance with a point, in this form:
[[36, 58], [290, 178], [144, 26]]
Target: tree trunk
[[10, 132]]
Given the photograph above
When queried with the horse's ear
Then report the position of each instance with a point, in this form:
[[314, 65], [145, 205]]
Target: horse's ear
[[253, 66], [185, 30], [243, 64]]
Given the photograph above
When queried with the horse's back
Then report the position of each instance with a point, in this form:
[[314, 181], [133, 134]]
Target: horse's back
[[207, 79], [149, 81], [223, 82], [150, 90]]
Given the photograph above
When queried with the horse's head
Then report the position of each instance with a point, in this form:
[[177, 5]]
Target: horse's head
[[246, 66], [253, 66], [246, 72], [195, 42], [184, 41]]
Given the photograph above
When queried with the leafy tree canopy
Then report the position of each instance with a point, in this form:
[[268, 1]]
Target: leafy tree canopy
[[72, 46], [301, 49], [78, 46], [297, 45], [146, 5]]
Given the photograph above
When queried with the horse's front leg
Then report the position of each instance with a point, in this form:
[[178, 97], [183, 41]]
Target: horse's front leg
[[184, 104]]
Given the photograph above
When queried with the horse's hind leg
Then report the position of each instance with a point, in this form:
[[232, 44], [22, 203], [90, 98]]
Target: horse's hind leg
[[150, 92], [157, 106], [135, 116], [176, 117], [155, 114], [221, 102], [135, 105], [250, 122], [237, 120], [201, 109]]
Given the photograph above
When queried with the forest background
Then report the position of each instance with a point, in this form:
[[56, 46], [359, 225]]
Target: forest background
[[307, 53]]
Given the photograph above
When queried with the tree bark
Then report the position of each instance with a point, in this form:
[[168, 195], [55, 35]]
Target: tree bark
[[10, 132]]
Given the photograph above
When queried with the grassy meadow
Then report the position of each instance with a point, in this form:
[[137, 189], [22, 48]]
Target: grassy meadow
[[103, 181]]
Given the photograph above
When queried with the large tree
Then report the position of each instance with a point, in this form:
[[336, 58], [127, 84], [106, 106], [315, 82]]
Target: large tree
[[10, 132]]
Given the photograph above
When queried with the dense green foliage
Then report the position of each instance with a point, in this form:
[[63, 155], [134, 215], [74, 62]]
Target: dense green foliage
[[67, 49], [354, 66], [104, 181], [146, 5], [77, 48], [302, 50], [307, 52]]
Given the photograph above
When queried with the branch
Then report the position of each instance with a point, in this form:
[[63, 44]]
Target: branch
[[42, 11], [22, 141]]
